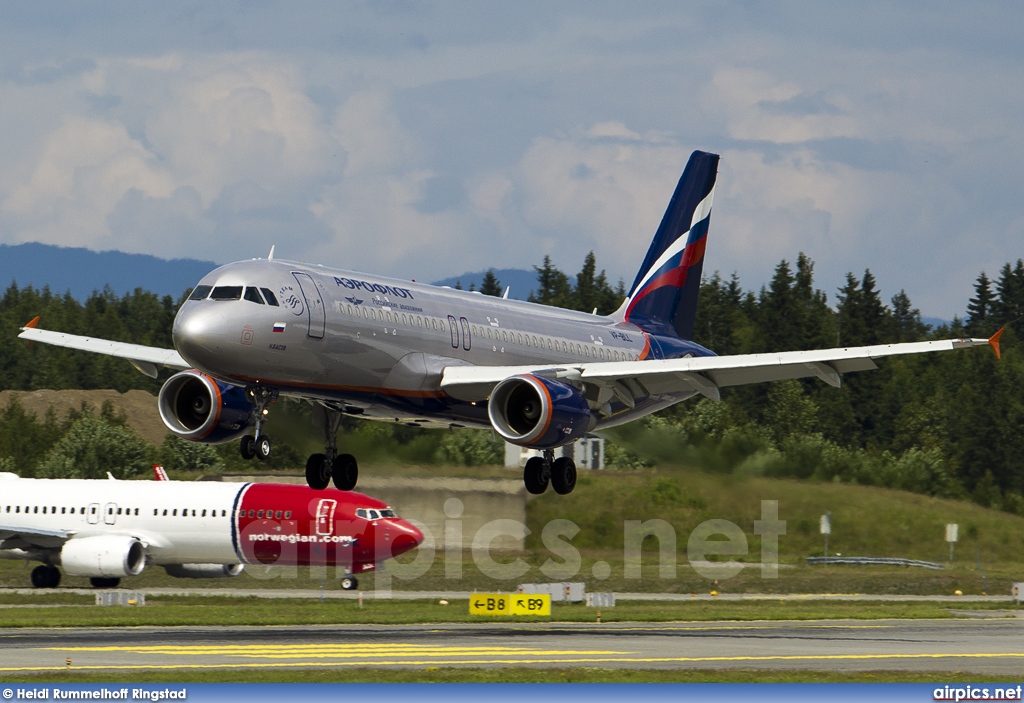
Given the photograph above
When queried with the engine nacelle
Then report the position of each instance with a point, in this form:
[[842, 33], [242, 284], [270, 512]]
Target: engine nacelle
[[203, 571], [197, 408], [111, 556], [537, 412]]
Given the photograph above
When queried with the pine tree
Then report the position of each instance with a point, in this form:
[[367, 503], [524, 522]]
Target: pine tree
[[906, 320], [552, 286], [491, 285], [586, 295], [980, 308], [1010, 290]]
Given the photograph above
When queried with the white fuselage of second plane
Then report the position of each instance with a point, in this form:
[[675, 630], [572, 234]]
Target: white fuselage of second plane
[[181, 522]]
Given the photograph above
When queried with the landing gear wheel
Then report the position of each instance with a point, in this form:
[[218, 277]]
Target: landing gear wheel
[[563, 475], [535, 475], [45, 576], [263, 448], [317, 477], [97, 582], [247, 447], [349, 583], [344, 472]]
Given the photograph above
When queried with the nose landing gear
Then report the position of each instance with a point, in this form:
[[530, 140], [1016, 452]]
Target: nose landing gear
[[258, 446], [560, 473]]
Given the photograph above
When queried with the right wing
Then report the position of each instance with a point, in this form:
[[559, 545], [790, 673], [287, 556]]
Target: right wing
[[629, 380], [145, 359]]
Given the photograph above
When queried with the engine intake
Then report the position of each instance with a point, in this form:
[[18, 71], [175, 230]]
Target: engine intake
[[111, 556], [203, 571], [197, 408], [532, 411]]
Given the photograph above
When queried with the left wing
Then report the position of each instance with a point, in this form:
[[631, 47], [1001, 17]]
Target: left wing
[[12, 537], [145, 359], [629, 380]]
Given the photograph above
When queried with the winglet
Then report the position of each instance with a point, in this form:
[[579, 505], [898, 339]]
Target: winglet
[[994, 341], [33, 322], [159, 474]]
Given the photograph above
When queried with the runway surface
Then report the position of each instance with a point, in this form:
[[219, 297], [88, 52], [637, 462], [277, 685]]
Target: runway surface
[[983, 646]]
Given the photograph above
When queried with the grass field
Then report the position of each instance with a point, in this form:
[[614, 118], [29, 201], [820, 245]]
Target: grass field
[[866, 521], [69, 610]]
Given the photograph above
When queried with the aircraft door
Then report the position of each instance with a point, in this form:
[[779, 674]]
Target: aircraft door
[[467, 341], [93, 516], [110, 513], [316, 314], [453, 325], [325, 516]]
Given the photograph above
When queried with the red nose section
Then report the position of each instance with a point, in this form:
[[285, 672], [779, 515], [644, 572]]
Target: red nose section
[[407, 536]]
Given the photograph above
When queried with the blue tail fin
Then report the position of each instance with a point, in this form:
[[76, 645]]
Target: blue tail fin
[[663, 299]]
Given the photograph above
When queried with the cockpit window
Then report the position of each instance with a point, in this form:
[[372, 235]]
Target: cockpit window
[[361, 512], [387, 512], [373, 514], [253, 295], [200, 292], [226, 293], [269, 295]]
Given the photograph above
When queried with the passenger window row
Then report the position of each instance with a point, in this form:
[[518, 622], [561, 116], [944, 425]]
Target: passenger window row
[[268, 514], [593, 351], [173, 512], [64, 510]]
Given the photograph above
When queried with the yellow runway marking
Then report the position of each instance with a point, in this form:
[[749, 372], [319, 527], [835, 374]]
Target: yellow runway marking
[[587, 660], [338, 651]]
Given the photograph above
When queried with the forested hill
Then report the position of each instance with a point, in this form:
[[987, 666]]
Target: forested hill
[[82, 271], [942, 424]]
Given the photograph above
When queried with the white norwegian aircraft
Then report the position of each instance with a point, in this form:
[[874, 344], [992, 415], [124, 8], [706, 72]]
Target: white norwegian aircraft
[[400, 351], [108, 530]]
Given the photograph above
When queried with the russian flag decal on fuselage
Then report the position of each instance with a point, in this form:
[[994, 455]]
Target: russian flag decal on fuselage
[[279, 326]]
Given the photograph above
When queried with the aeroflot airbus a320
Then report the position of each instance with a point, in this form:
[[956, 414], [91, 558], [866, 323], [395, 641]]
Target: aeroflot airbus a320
[[373, 347], [107, 530]]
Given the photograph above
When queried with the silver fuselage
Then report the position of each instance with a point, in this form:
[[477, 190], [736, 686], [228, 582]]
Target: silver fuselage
[[377, 347]]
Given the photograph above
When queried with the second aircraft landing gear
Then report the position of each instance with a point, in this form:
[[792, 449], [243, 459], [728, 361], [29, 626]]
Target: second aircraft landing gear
[[321, 469], [46, 576], [560, 473]]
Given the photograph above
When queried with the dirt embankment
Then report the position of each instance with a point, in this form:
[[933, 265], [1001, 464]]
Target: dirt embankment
[[139, 407]]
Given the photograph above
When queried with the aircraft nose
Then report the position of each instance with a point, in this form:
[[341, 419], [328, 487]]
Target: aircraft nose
[[197, 335], [407, 537]]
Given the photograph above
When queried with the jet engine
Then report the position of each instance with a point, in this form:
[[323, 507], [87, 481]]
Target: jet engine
[[104, 556], [537, 412], [203, 571], [198, 408]]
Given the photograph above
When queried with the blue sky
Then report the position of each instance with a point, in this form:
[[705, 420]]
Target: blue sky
[[423, 140]]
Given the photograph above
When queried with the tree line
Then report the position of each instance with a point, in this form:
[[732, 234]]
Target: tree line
[[942, 424]]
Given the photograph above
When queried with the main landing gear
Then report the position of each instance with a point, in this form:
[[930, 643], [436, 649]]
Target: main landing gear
[[321, 469], [46, 576], [541, 470], [259, 445]]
